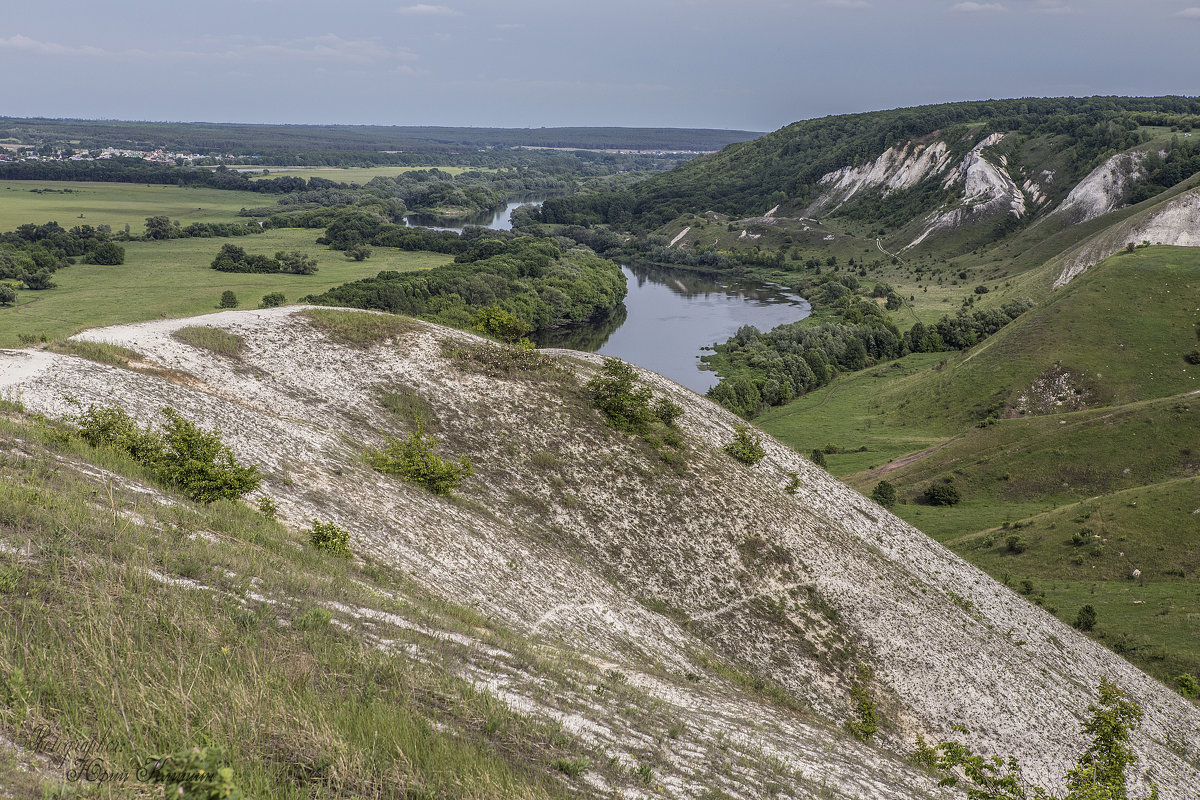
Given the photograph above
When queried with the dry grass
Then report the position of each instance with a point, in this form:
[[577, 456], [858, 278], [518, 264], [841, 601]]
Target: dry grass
[[358, 328], [215, 340], [111, 354]]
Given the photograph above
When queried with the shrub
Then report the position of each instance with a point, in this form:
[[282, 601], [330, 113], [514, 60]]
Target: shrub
[[818, 458], [8, 295], [1085, 620], [1016, 544], [746, 446], [359, 252], [941, 494], [666, 411], [1188, 685], [273, 300], [625, 406], [108, 254], [329, 538], [413, 460], [200, 464], [228, 299], [267, 507], [884, 493], [296, 262], [500, 324], [793, 485], [1193, 357], [867, 723], [195, 462]]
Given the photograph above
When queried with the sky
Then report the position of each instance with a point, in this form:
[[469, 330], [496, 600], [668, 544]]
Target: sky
[[739, 64]]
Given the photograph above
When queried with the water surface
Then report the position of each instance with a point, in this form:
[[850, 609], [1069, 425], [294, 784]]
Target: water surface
[[500, 220], [670, 316]]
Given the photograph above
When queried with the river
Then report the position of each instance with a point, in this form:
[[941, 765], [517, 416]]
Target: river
[[496, 220], [670, 316]]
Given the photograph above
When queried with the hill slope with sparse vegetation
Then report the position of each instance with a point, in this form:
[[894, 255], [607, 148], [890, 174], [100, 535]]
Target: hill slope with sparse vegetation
[[609, 595]]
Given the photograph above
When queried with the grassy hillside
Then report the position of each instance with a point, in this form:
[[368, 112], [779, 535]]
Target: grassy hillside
[[174, 278], [105, 579], [1081, 414]]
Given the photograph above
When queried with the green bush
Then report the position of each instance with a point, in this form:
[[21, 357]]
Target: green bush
[[624, 405], [1016, 544], [273, 300], [746, 446], [194, 461], [267, 507], [884, 493], [8, 295], [793, 484], [1188, 685], [228, 299], [941, 494], [413, 460], [818, 458], [867, 723], [500, 324], [1085, 620], [329, 538], [200, 464], [666, 412]]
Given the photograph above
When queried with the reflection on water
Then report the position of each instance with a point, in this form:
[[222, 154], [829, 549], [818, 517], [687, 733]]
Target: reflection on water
[[590, 337], [496, 220], [670, 314]]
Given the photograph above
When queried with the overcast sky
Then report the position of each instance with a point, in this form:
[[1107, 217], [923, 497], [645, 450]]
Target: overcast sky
[[746, 64]]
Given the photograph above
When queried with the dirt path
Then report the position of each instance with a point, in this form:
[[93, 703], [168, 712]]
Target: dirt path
[[912, 458]]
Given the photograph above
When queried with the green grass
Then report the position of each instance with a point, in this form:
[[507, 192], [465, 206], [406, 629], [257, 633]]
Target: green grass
[[215, 340], [174, 279], [100, 352], [93, 647], [358, 328], [1124, 467], [118, 204]]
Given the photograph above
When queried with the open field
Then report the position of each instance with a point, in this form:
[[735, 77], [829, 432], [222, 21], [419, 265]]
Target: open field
[[117, 204], [174, 279], [352, 174]]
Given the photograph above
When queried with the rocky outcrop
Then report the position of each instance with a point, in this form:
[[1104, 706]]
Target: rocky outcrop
[[898, 168], [988, 190], [1172, 222], [1105, 189]]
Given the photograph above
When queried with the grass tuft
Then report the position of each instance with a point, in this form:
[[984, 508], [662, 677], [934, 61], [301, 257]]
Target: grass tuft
[[215, 340]]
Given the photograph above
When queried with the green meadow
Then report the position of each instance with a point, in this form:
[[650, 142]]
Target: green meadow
[[173, 278], [117, 204]]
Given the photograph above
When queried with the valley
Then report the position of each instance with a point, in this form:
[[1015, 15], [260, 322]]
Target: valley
[[941, 497]]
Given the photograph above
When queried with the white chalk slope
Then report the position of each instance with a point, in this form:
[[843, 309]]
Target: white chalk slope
[[583, 539]]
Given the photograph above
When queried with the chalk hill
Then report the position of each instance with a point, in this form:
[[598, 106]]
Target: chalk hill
[[692, 627]]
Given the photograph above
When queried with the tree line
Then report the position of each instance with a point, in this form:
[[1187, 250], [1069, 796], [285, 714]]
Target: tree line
[[529, 278]]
